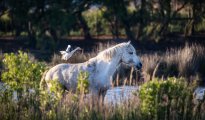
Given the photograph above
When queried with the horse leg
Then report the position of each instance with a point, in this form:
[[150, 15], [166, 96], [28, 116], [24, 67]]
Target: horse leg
[[101, 94]]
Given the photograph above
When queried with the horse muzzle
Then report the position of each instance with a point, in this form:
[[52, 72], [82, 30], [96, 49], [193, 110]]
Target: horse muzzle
[[138, 66]]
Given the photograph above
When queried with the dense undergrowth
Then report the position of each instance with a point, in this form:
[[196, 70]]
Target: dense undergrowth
[[167, 92]]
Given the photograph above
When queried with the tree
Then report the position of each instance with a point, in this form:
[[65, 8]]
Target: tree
[[198, 12], [117, 9]]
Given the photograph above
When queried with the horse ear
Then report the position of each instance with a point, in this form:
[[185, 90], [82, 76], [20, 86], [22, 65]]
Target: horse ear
[[128, 42]]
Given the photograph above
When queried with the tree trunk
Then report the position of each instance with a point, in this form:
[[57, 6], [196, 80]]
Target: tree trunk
[[141, 23], [116, 29], [31, 35], [18, 29], [124, 17], [113, 26], [84, 26], [190, 26], [128, 30], [194, 18], [55, 37], [164, 29]]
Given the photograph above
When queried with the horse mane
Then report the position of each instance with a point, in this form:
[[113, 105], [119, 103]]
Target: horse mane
[[111, 52], [108, 53]]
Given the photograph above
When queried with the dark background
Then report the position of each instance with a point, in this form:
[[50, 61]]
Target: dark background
[[43, 27]]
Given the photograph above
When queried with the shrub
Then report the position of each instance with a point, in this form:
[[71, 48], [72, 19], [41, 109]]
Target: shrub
[[1, 58], [49, 100], [21, 72], [83, 83], [166, 99]]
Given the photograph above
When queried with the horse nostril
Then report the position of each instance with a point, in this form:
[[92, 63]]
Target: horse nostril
[[140, 65]]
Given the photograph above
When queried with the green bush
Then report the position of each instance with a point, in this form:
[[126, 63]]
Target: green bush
[[83, 83], [21, 72], [166, 99]]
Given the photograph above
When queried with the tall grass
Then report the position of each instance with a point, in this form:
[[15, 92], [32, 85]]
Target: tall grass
[[175, 104], [186, 62], [171, 101], [182, 62]]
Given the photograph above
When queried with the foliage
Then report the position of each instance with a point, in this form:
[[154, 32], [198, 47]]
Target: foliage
[[21, 72], [159, 98], [55, 19], [50, 99], [83, 82], [97, 23], [170, 98]]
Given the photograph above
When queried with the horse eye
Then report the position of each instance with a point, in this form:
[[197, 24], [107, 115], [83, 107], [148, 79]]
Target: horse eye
[[130, 53]]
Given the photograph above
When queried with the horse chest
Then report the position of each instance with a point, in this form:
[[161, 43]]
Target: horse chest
[[102, 80]]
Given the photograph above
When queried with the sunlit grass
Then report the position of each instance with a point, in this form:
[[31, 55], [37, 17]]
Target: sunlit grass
[[184, 63]]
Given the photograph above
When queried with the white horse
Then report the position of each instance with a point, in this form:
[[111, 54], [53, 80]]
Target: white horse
[[100, 68]]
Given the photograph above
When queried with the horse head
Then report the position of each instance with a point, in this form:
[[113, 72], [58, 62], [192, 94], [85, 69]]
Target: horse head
[[129, 56]]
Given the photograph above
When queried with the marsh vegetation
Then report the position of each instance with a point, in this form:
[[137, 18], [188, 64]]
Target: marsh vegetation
[[167, 81], [159, 29]]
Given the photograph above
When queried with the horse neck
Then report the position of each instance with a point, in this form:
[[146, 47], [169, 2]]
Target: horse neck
[[113, 64], [109, 66], [106, 65]]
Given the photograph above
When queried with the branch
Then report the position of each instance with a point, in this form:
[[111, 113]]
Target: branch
[[4, 11], [175, 12]]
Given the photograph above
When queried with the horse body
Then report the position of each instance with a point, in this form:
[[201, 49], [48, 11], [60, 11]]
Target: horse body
[[100, 68], [67, 74]]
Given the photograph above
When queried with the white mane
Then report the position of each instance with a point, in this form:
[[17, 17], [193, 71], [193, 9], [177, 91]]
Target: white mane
[[111, 52]]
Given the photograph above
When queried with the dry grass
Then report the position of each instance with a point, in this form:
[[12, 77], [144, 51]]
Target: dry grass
[[81, 107], [182, 62]]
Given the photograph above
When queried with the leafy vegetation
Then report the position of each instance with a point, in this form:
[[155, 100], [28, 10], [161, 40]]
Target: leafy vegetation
[[21, 72], [165, 95], [83, 83], [51, 20], [160, 98]]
